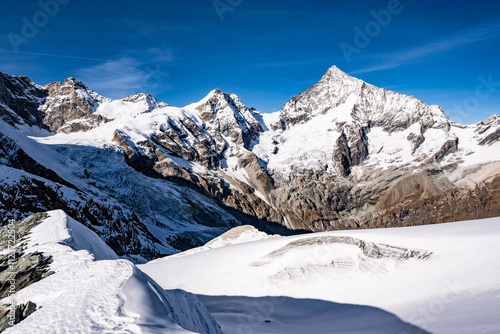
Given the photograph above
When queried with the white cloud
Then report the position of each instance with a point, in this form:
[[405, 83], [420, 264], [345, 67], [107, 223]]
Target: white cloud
[[128, 75]]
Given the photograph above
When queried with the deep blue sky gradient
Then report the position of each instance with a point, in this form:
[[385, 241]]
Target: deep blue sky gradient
[[264, 51]]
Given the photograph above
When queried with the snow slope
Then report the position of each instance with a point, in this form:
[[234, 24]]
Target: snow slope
[[441, 278], [236, 235], [93, 291]]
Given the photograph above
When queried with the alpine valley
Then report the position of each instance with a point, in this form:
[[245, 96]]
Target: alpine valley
[[147, 180]]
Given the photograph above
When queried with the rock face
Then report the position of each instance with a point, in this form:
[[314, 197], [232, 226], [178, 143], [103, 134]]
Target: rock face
[[491, 123], [70, 106], [154, 179], [59, 107], [351, 150], [20, 99], [21, 312]]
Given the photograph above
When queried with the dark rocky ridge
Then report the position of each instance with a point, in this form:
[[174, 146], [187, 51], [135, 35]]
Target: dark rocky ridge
[[60, 106], [21, 99]]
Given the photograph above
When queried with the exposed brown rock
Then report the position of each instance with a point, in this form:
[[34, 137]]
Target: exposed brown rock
[[69, 107]]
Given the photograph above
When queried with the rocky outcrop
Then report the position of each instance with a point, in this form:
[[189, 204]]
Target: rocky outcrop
[[259, 179], [491, 138], [351, 149], [23, 270], [416, 140], [11, 315], [449, 147], [342, 156], [487, 131], [70, 106]]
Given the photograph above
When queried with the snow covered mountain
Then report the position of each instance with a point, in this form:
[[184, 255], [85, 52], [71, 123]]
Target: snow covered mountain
[[352, 153], [152, 179]]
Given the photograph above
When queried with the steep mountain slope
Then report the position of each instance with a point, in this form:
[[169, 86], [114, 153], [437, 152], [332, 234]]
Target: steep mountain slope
[[91, 290], [442, 278], [154, 179]]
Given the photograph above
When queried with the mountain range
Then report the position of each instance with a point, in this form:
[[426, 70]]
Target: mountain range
[[152, 179]]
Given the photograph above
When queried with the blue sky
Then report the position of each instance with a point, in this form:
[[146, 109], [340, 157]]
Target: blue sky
[[443, 52]]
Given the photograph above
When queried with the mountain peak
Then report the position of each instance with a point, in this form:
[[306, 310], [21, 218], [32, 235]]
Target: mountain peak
[[75, 82], [227, 113], [363, 103], [149, 99], [335, 74], [216, 96], [335, 70]]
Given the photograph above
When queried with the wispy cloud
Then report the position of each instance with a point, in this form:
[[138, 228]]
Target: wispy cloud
[[128, 74], [113, 78], [474, 34]]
